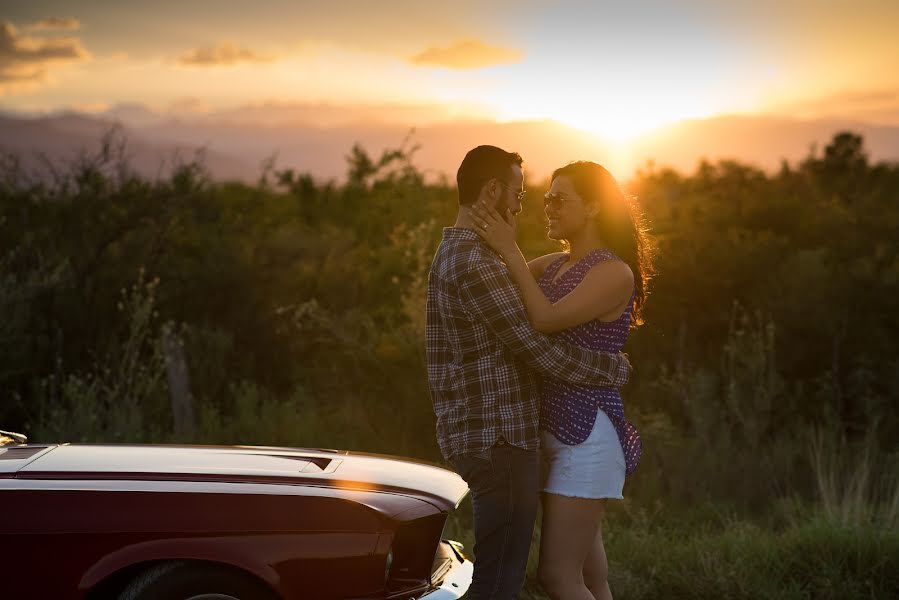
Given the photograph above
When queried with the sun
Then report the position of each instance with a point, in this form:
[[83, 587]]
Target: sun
[[622, 125], [614, 117]]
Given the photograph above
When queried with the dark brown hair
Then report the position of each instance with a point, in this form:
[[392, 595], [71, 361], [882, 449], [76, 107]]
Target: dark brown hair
[[619, 221], [479, 166]]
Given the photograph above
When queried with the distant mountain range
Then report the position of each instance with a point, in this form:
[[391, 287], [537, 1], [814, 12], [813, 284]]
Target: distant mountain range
[[63, 138], [317, 139]]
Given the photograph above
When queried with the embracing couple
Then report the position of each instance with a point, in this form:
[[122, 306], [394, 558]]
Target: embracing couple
[[524, 365]]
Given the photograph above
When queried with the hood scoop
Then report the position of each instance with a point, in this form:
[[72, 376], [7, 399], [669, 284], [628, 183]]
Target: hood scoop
[[20, 453], [313, 464], [14, 458]]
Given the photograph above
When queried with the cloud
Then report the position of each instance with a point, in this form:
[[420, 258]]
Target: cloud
[[93, 108], [189, 106], [873, 105], [56, 24], [225, 53], [25, 59], [466, 54]]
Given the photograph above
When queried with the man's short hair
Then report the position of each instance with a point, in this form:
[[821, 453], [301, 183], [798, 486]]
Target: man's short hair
[[479, 166]]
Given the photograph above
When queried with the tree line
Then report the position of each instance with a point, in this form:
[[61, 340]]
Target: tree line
[[298, 307]]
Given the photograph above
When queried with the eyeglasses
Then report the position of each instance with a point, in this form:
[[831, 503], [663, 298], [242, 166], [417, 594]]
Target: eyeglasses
[[553, 201], [520, 194]]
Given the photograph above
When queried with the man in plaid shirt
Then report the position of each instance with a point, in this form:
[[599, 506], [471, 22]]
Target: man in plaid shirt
[[484, 358]]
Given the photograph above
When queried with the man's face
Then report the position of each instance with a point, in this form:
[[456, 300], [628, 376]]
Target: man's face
[[507, 192]]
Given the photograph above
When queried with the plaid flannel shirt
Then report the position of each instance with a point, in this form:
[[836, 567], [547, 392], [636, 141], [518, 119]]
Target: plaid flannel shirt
[[484, 357]]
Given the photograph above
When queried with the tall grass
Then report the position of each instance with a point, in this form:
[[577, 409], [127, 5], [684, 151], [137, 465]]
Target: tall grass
[[710, 552], [857, 485], [125, 396]]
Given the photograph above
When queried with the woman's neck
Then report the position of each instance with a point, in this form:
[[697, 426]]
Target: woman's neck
[[582, 244]]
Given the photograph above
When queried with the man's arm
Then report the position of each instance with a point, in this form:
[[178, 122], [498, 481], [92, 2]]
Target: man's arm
[[490, 294]]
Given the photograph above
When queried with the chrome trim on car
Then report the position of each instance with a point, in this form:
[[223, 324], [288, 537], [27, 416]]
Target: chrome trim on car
[[456, 582], [16, 437]]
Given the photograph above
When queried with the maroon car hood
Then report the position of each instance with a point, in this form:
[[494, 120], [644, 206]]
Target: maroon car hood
[[240, 464]]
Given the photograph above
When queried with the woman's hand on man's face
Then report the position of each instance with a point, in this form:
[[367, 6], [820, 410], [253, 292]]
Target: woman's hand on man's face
[[497, 230]]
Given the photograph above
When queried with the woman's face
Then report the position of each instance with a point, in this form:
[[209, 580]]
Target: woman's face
[[565, 210]]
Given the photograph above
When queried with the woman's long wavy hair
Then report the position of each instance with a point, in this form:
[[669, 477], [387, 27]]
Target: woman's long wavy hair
[[619, 222]]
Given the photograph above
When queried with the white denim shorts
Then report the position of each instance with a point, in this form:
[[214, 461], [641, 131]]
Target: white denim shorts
[[592, 469]]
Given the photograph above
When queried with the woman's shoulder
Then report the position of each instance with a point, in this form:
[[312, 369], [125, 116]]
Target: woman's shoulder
[[600, 255], [606, 260], [539, 265], [610, 271]]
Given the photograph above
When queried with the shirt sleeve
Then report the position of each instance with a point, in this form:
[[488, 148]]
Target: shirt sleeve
[[491, 295]]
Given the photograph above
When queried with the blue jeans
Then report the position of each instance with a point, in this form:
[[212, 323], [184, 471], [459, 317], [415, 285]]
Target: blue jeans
[[504, 483]]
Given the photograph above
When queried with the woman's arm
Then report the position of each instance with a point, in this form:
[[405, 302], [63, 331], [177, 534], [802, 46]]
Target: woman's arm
[[539, 265], [605, 287]]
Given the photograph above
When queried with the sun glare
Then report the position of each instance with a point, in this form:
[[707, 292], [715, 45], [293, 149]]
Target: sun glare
[[621, 126], [610, 115]]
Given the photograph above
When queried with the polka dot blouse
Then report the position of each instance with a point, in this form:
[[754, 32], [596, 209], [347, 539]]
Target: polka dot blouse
[[568, 411]]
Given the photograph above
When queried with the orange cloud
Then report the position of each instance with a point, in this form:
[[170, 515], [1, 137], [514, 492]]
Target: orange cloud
[[56, 24], [466, 54], [25, 59], [877, 105], [225, 53]]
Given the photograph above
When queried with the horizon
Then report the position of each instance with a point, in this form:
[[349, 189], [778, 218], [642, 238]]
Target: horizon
[[237, 143]]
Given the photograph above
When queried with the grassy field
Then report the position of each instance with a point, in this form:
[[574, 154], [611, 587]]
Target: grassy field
[[795, 552]]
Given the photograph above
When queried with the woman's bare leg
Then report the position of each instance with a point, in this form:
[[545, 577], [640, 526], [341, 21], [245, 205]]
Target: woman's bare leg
[[596, 569], [568, 538]]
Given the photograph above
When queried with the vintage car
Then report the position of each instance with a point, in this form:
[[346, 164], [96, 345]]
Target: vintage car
[[134, 522]]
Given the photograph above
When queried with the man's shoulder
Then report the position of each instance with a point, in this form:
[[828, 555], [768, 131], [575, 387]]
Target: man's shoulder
[[456, 259]]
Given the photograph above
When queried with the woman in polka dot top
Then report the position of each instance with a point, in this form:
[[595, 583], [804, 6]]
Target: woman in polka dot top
[[589, 295]]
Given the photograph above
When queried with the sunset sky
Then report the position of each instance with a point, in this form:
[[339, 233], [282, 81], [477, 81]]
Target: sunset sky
[[616, 69]]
